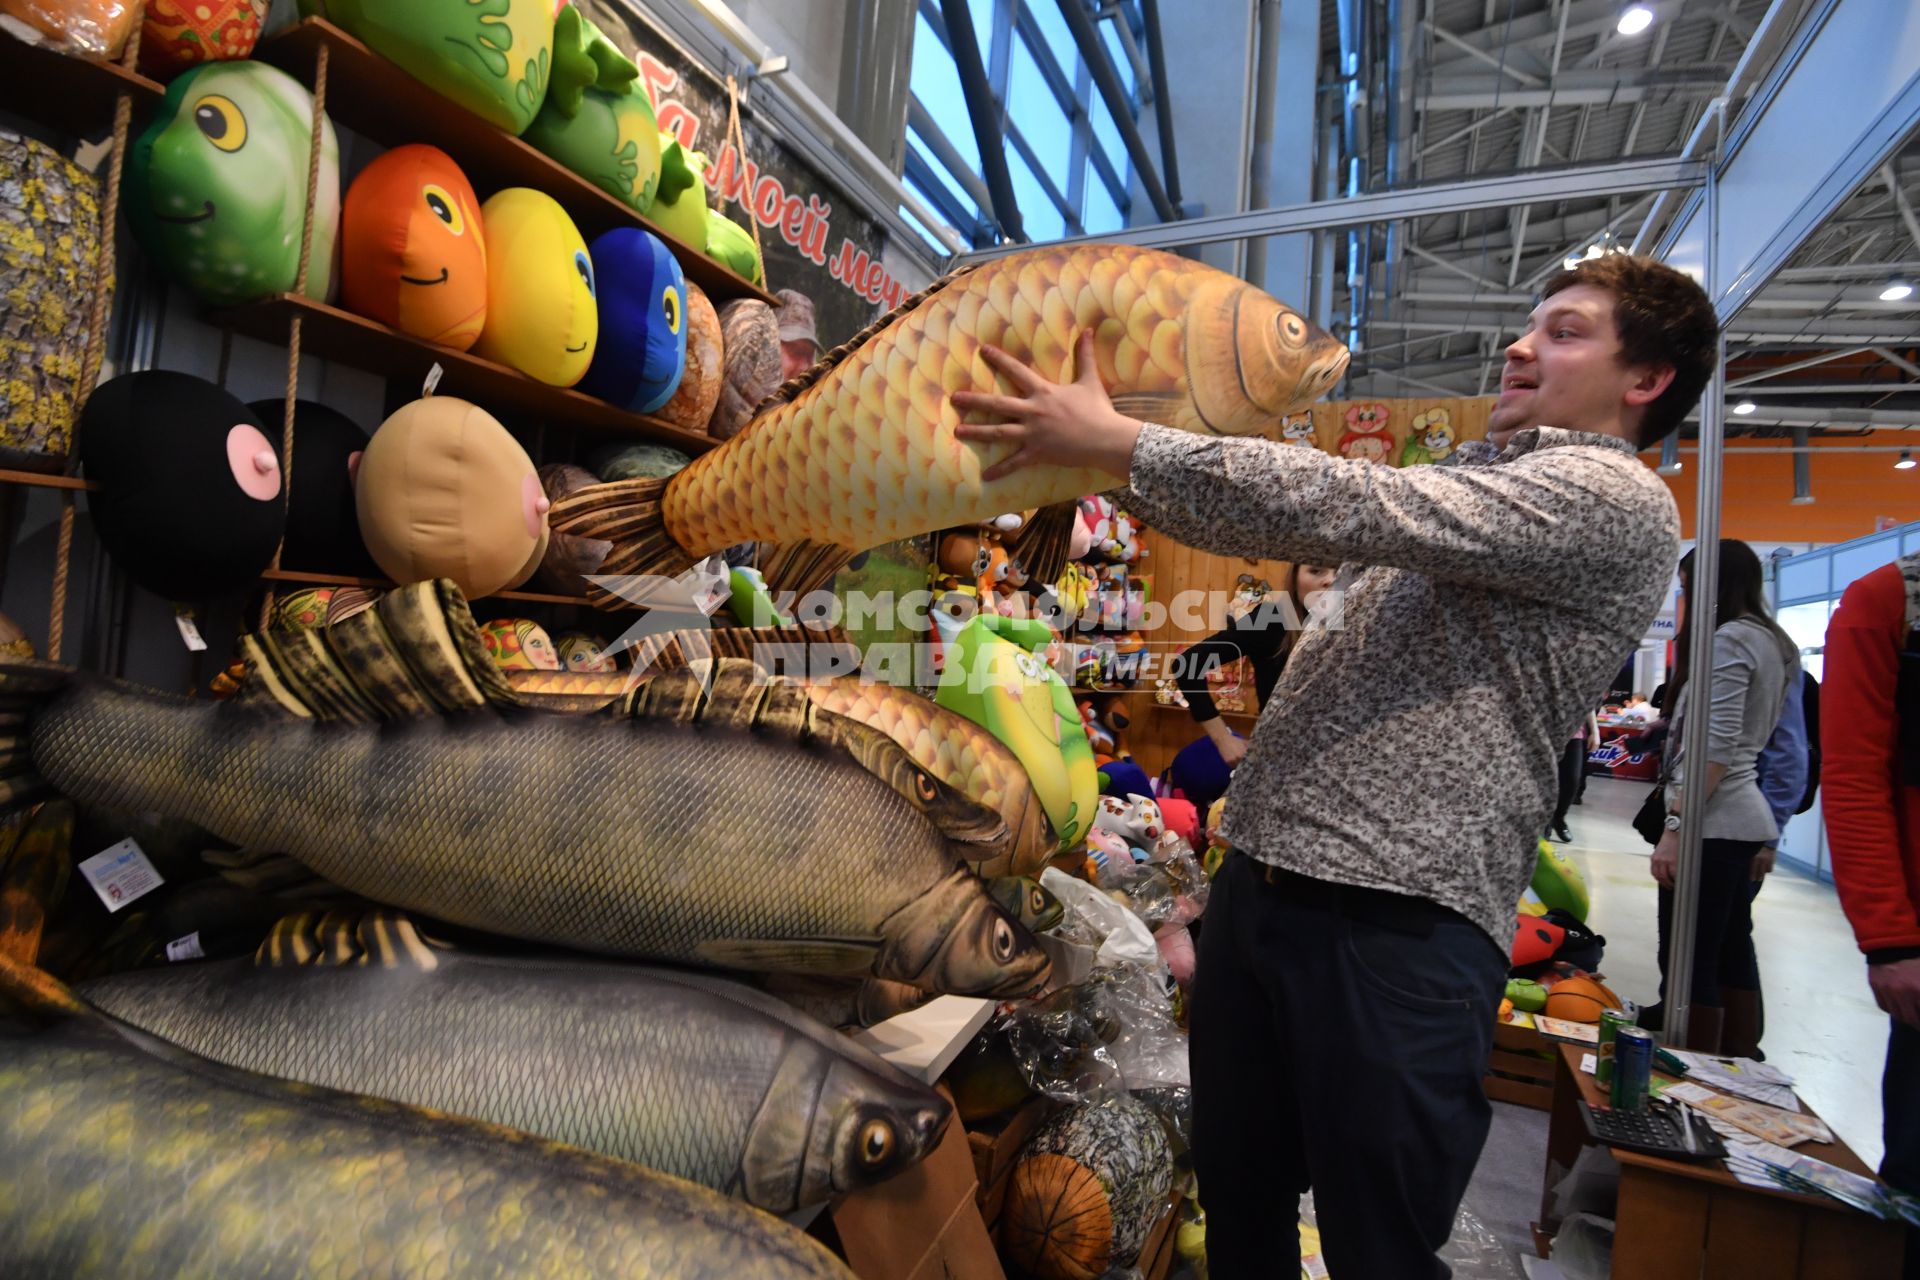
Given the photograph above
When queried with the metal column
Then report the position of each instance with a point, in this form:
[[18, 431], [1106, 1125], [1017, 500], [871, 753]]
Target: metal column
[[987, 133], [1107, 80], [1162, 103]]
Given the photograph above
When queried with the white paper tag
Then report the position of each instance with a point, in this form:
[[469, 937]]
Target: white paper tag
[[183, 618], [187, 948], [432, 383], [120, 873]]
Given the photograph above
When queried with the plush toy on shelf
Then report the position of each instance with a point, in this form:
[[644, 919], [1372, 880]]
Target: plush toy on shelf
[[1135, 819], [492, 58], [597, 120], [323, 528], [217, 185], [445, 492], [691, 407], [519, 644], [733, 247], [680, 200], [541, 314], [413, 247], [187, 495], [641, 352], [91, 28], [177, 34], [638, 462], [750, 340]]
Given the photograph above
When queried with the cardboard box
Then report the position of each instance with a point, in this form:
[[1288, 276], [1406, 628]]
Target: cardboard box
[[994, 1154], [924, 1224]]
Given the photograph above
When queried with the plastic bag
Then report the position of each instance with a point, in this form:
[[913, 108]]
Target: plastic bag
[[94, 28], [1094, 919]]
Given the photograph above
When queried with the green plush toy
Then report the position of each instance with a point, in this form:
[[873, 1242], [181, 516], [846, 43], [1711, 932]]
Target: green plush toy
[[680, 201], [493, 57], [598, 120], [1559, 883], [1527, 995], [217, 185], [994, 676], [731, 245]]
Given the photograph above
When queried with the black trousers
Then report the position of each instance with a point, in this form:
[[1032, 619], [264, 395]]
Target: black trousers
[[1573, 764], [1339, 1041], [1900, 1099], [1723, 952]]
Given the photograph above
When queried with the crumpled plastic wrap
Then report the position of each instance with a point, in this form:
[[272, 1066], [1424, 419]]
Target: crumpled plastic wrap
[[1113, 1033], [1473, 1251], [93, 28]]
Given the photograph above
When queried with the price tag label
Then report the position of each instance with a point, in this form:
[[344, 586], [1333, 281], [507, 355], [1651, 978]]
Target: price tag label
[[187, 948], [189, 632], [120, 873]]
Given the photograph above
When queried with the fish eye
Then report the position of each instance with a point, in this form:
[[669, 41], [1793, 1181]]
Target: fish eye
[[445, 208], [1293, 329], [1039, 902], [1002, 941], [923, 786], [670, 307], [584, 265], [221, 121], [876, 1143]]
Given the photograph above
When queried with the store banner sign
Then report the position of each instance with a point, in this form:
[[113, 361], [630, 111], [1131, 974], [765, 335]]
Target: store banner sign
[[812, 237]]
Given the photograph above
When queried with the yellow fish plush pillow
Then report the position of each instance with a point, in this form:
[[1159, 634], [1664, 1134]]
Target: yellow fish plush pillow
[[541, 316]]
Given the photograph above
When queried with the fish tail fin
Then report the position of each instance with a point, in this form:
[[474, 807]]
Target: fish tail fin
[[626, 514], [799, 567], [1041, 545], [25, 686], [33, 990], [36, 856]]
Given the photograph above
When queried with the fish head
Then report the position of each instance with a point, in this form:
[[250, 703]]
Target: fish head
[[868, 1125], [1251, 359], [955, 939], [1027, 901]]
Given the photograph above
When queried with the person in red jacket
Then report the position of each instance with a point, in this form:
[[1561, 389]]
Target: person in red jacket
[[1870, 776]]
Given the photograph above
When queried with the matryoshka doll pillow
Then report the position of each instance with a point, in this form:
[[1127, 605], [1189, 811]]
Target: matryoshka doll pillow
[[586, 653], [519, 644], [217, 185], [188, 498], [413, 247], [444, 491], [642, 348], [179, 33], [541, 314]]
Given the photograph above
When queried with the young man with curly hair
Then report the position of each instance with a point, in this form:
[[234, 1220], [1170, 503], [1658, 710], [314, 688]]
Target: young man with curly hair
[[1356, 942]]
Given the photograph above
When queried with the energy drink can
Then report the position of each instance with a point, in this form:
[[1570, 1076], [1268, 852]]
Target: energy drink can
[[1611, 1020], [1632, 1068]]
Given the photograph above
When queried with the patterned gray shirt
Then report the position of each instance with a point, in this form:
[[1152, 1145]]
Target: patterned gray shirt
[[1414, 748]]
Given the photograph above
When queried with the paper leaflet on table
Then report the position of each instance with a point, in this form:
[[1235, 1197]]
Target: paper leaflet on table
[[1808, 1175], [1769, 1123], [1756, 1081]]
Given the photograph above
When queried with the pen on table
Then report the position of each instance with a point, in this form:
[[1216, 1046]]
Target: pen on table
[[1686, 1129]]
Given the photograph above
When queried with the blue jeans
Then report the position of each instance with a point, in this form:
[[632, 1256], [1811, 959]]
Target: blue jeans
[[1340, 1037]]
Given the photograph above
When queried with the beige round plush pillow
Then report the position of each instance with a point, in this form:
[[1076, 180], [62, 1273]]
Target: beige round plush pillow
[[444, 491]]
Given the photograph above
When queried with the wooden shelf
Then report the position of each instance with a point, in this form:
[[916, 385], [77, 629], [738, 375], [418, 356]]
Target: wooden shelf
[[372, 96], [305, 579], [1224, 714], [46, 480], [367, 344], [71, 93]]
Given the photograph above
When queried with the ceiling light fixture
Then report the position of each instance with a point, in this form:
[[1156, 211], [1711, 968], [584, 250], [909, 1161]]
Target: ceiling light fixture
[[1636, 19], [1906, 461], [1745, 406], [1896, 291]]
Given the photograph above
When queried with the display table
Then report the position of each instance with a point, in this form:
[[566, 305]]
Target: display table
[[1612, 759], [1684, 1221]]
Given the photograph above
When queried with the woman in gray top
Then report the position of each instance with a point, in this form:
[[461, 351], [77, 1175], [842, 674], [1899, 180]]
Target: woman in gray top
[[1753, 663]]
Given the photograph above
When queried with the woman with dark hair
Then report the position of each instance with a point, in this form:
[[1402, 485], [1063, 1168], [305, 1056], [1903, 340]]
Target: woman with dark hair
[[1265, 636], [1755, 664]]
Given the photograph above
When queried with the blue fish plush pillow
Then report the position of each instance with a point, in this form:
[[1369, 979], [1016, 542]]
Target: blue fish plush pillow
[[643, 321]]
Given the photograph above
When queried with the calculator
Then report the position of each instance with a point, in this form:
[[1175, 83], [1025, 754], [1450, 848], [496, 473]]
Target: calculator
[[1660, 1130]]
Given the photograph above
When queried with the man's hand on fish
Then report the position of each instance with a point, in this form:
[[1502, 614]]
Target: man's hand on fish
[[1072, 424]]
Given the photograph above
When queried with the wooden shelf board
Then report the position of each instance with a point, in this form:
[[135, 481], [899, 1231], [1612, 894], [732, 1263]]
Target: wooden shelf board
[[1224, 715], [69, 92], [372, 96], [367, 344], [305, 579], [46, 480]]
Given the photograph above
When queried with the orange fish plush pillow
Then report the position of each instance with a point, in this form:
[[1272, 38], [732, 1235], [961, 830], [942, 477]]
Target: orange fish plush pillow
[[413, 251]]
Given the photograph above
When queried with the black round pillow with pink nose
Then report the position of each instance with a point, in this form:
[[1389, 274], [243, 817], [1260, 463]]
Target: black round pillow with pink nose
[[189, 500]]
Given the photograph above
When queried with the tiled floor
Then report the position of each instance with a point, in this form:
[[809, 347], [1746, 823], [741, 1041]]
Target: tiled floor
[[1822, 1024]]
